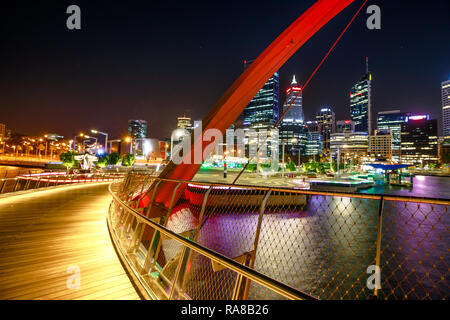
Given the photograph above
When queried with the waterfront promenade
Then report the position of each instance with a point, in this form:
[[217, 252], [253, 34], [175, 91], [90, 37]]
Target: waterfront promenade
[[43, 234]]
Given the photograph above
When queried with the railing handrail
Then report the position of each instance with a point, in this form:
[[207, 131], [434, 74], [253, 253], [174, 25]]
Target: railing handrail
[[272, 284]]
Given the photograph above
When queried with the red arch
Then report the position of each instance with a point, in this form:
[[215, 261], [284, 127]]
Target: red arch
[[237, 97]]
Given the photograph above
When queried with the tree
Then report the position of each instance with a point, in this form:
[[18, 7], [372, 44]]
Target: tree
[[114, 158], [68, 159], [102, 161], [128, 160]]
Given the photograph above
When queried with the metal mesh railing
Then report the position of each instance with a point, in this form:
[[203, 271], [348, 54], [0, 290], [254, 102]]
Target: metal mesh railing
[[306, 244]]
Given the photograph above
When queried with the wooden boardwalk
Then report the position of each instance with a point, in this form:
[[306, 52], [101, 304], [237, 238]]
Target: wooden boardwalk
[[45, 235]]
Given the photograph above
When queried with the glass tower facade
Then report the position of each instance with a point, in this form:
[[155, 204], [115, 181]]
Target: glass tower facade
[[392, 121], [292, 130], [262, 111], [360, 104], [137, 128], [445, 87], [327, 121], [419, 140]]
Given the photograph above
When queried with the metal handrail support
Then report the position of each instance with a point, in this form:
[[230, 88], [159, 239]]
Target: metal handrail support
[[255, 243], [261, 279], [156, 241], [378, 252], [194, 238]]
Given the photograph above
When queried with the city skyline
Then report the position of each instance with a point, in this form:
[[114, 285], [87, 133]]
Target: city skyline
[[123, 79]]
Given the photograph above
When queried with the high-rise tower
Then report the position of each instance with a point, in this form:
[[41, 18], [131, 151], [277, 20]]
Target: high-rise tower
[[361, 104], [445, 87], [262, 111]]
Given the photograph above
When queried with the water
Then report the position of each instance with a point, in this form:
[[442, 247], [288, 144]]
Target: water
[[423, 186]]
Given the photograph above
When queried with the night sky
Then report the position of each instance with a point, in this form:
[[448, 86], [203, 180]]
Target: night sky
[[153, 60]]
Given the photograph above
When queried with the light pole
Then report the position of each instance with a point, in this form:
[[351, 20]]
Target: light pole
[[106, 138], [111, 142]]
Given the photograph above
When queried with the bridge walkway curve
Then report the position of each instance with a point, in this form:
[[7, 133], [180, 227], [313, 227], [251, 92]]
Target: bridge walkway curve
[[46, 236]]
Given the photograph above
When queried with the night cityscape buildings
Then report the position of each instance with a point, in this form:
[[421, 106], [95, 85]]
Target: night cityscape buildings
[[360, 103], [445, 88], [419, 140], [137, 129], [262, 111], [392, 121], [327, 122]]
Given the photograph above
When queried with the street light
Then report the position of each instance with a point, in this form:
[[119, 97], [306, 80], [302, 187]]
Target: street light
[[106, 138]]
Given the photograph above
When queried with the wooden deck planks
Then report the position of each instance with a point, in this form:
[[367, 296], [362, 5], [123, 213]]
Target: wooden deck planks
[[42, 234]]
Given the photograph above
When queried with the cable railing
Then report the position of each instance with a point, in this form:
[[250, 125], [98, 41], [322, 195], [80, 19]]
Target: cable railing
[[217, 241], [39, 180]]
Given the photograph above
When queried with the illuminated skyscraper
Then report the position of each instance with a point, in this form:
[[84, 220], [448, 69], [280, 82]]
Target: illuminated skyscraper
[[184, 122], [392, 121], [445, 87], [360, 103], [293, 132], [137, 128], [327, 121], [419, 140], [262, 111]]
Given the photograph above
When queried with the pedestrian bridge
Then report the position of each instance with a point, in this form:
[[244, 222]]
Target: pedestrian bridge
[[45, 236]]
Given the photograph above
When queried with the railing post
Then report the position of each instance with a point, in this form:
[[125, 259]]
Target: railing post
[[3, 185], [378, 253], [155, 244], [255, 243], [185, 262], [15, 185]]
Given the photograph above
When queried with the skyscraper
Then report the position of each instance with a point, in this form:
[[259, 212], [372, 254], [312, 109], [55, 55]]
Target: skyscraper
[[184, 122], [392, 121], [360, 103], [419, 140], [262, 111], [137, 128], [445, 87], [327, 121], [292, 129]]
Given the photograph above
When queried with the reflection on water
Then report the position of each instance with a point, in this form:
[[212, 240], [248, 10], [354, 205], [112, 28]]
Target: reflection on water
[[423, 186]]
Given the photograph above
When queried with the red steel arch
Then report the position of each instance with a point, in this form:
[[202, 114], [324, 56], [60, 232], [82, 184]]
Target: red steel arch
[[237, 97]]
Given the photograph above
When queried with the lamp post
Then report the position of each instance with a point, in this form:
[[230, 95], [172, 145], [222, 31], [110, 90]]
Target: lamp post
[[111, 142], [106, 138]]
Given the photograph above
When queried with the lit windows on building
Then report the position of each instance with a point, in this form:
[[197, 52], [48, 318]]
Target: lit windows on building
[[343, 126], [360, 103], [262, 111], [419, 140], [184, 122], [355, 144], [137, 128], [445, 89], [380, 145], [392, 120], [327, 121]]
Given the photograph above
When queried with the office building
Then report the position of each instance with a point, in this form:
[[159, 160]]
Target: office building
[[327, 121], [380, 145], [262, 111], [392, 121], [184, 122], [292, 131], [350, 144], [137, 129], [2, 130], [445, 88], [343, 126], [360, 103], [419, 140]]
